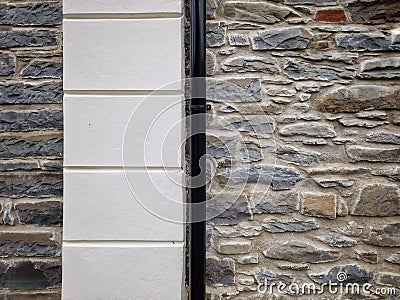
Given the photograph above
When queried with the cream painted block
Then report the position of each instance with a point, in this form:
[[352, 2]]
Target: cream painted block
[[123, 130], [134, 54], [121, 272], [118, 205], [122, 6]]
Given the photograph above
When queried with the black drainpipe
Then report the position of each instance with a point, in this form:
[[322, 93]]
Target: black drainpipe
[[197, 242]]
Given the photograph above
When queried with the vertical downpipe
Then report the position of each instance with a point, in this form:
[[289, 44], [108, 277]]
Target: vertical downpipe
[[197, 242]]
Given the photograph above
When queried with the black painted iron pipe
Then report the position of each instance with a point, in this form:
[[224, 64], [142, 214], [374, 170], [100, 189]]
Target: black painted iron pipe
[[197, 238]]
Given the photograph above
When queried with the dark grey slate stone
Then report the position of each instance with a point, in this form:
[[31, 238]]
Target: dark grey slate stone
[[242, 64], [21, 248], [282, 39], [337, 240], [300, 70], [375, 11], [31, 185], [361, 153], [240, 90], [300, 252], [385, 236], [28, 38], [21, 93], [364, 41], [312, 2], [220, 271], [215, 35], [279, 226], [251, 154], [218, 149], [263, 276], [12, 165], [394, 258], [283, 203], [345, 274], [7, 64], [43, 69], [49, 213], [38, 13], [12, 148], [31, 120], [388, 68], [383, 138], [299, 157], [30, 275], [228, 209], [280, 178]]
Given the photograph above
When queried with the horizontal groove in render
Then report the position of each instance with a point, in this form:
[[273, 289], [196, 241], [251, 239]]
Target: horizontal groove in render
[[112, 16], [124, 244], [123, 93]]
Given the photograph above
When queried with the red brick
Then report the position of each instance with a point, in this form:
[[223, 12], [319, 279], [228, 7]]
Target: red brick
[[331, 15]]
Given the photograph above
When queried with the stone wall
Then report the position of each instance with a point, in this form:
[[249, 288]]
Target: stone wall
[[31, 146], [313, 119]]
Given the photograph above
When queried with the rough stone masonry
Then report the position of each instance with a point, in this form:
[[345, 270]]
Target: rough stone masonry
[[31, 146], [313, 115]]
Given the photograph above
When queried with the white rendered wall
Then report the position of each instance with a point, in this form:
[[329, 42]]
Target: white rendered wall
[[118, 242]]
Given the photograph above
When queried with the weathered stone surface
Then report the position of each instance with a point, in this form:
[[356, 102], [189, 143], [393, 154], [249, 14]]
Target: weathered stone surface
[[11, 148], [43, 69], [280, 178], [49, 213], [379, 201], [248, 259], [27, 244], [254, 125], [29, 275], [279, 226], [239, 231], [311, 2], [233, 247], [261, 12], [52, 165], [380, 68], [392, 174], [238, 40], [220, 271], [394, 259], [334, 15], [34, 296], [18, 165], [300, 252], [300, 70], [383, 138], [337, 240], [299, 157], [218, 149], [319, 205], [251, 155], [352, 229], [31, 120], [345, 274], [375, 11], [242, 64], [27, 38], [313, 129], [333, 182], [215, 35], [22, 93], [360, 153], [388, 278], [348, 58], [359, 97], [265, 276], [228, 209], [349, 121], [49, 13], [282, 39], [7, 64], [385, 236], [367, 256], [210, 10], [234, 90], [282, 203], [374, 41], [211, 63], [294, 267], [31, 185], [372, 114]]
